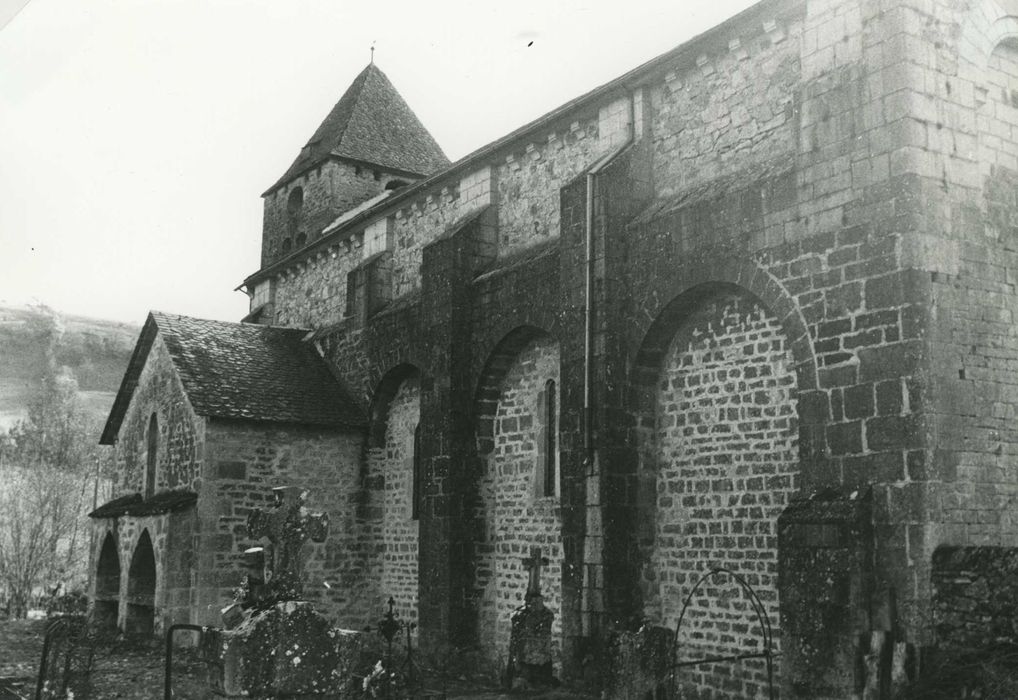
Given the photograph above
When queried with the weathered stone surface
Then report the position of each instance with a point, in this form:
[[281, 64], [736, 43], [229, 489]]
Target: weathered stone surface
[[825, 550], [639, 663], [287, 526], [844, 171], [290, 650], [974, 594]]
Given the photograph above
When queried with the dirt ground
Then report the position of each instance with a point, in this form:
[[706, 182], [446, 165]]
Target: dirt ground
[[129, 670], [135, 671]]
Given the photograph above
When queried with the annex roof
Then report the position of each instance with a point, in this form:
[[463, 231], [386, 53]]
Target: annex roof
[[241, 371], [371, 123]]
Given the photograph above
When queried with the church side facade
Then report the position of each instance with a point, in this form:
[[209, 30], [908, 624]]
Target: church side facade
[[747, 307]]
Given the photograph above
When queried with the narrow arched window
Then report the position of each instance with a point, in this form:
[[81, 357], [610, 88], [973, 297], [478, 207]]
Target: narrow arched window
[[294, 208], [550, 485], [152, 456], [416, 490]]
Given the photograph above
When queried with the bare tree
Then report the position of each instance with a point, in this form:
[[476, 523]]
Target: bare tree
[[50, 464], [40, 512]]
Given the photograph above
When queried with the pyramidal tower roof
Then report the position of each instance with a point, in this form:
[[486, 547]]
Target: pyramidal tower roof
[[373, 124]]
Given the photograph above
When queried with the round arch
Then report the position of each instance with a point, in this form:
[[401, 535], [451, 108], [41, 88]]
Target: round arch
[[717, 384], [497, 363], [511, 495], [986, 25], [381, 399]]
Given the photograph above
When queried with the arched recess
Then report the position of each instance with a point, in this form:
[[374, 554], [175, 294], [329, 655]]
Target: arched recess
[[511, 511], [990, 61], [394, 481], [716, 393], [381, 399], [986, 25], [141, 589], [107, 584]]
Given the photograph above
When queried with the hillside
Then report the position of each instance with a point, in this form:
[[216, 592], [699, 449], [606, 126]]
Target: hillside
[[95, 350]]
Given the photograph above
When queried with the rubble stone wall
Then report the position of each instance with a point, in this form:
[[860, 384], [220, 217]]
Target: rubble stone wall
[[974, 590], [394, 531], [245, 461], [313, 295], [181, 433], [172, 536], [328, 190], [728, 462]]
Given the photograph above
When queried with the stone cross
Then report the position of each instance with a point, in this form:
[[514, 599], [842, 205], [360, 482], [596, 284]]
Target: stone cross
[[288, 525], [533, 564]]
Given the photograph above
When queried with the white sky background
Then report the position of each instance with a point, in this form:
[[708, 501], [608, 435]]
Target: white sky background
[[136, 136]]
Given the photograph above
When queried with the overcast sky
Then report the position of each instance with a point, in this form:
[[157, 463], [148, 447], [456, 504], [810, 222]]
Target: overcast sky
[[137, 135]]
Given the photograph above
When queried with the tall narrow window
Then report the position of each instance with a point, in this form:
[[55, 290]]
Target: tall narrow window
[[294, 208], [550, 439], [152, 461], [415, 495]]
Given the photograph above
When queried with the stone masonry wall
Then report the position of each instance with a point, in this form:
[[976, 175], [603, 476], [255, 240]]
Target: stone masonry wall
[[245, 461], [523, 186], [873, 214], [516, 518], [313, 293], [727, 464], [390, 467], [329, 190], [529, 182], [173, 546], [964, 145], [727, 113], [974, 590], [181, 432], [414, 226]]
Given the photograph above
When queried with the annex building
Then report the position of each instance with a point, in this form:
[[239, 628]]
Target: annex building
[[749, 306]]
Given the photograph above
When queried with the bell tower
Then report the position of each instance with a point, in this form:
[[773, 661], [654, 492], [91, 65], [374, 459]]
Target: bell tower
[[370, 142]]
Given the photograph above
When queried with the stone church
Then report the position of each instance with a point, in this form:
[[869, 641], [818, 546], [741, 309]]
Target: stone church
[[749, 306]]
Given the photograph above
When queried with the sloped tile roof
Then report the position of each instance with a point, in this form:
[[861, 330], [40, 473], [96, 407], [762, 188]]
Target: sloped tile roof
[[373, 124], [242, 371], [134, 504]]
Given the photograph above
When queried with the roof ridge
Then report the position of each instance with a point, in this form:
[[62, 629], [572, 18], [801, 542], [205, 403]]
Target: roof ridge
[[354, 92], [246, 324]]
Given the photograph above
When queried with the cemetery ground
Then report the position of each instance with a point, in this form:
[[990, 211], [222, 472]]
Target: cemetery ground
[[134, 670]]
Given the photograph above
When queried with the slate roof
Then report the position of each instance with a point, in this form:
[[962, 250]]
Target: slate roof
[[133, 504], [373, 124], [242, 371]]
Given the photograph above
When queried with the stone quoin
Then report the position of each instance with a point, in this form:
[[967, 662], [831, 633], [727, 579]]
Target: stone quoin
[[748, 306]]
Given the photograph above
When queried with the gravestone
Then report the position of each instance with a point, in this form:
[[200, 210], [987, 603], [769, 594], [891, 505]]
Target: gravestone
[[274, 644], [530, 652]]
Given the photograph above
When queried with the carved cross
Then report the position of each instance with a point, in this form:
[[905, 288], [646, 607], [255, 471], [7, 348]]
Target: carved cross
[[288, 525], [533, 564]]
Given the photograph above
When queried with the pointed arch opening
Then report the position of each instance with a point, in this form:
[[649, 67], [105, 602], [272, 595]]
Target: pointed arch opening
[[141, 589], [107, 584]]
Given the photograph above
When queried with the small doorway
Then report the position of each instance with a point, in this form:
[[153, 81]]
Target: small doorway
[[107, 585], [141, 589]]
